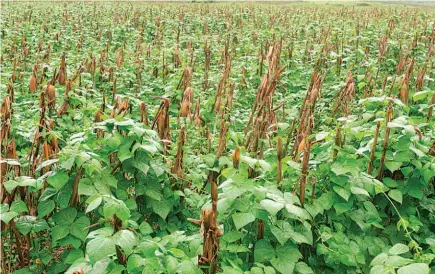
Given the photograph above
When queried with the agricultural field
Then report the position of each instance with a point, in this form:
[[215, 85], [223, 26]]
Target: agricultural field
[[217, 138]]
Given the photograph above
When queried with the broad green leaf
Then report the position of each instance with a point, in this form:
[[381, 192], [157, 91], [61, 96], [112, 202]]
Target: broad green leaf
[[359, 191], [397, 261], [379, 259], [420, 95], [380, 269], [271, 206], [393, 166], [102, 232], [8, 216], [171, 264], [86, 187], [242, 219], [100, 248], [145, 228], [303, 268], [45, 208], [25, 224], [58, 180], [344, 193], [100, 266], [116, 207], [73, 255], [18, 207], [152, 266], [187, 267], [148, 248], [286, 259], [176, 252], [77, 229], [59, 231], [297, 211], [125, 239], [135, 261], [162, 208], [398, 249], [396, 195], [232, 236], [263, 251], [416, 268], [65, 216], [19, 181], [282, 233], [95, 202]]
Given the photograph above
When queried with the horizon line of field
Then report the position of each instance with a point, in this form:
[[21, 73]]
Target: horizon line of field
[[229, 1]]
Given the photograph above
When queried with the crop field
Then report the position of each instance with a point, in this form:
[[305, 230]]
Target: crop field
[[217, 138]]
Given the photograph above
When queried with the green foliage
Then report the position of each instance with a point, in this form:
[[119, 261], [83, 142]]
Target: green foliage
[[109, 201]]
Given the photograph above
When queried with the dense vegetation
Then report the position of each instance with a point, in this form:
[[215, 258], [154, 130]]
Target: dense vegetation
[[247, 138]]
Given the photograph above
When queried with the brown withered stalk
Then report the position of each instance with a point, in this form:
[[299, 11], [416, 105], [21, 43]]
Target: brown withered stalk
[[197, 119], [121, 107], [430, 110], [222, 85], [62, 76], [64, 107], [222, 138], [50, 92], [11, 91], [384, 84], [404, 84], [345, 96], [389, 117], [177, 168], [207, 54], [337, 142], [6, 124], [33, 83], [177, 59], [186, 103], [114, 91], [279, 155], [161, 123], [402, 62], [303, 179], [119, 57], [34, 150], [306, 113], [186, 78], [289, 136], [211, 234], [373, 148], [236, 157], [75, 197], [393, 82], [143, 114], [420, 78], [98, 118]]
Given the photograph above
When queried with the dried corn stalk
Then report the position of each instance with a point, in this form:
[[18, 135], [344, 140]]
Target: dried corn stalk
[[404, 84], [279, 155], [211, 234], [177, 168], [62, 71], [389, 117], [373, 148], [306, 114], [33, 85], [345, 96], [143, 114], [161, 123], [186, 102]]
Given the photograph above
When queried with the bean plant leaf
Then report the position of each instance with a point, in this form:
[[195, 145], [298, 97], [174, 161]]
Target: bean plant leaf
[[242, 219]]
